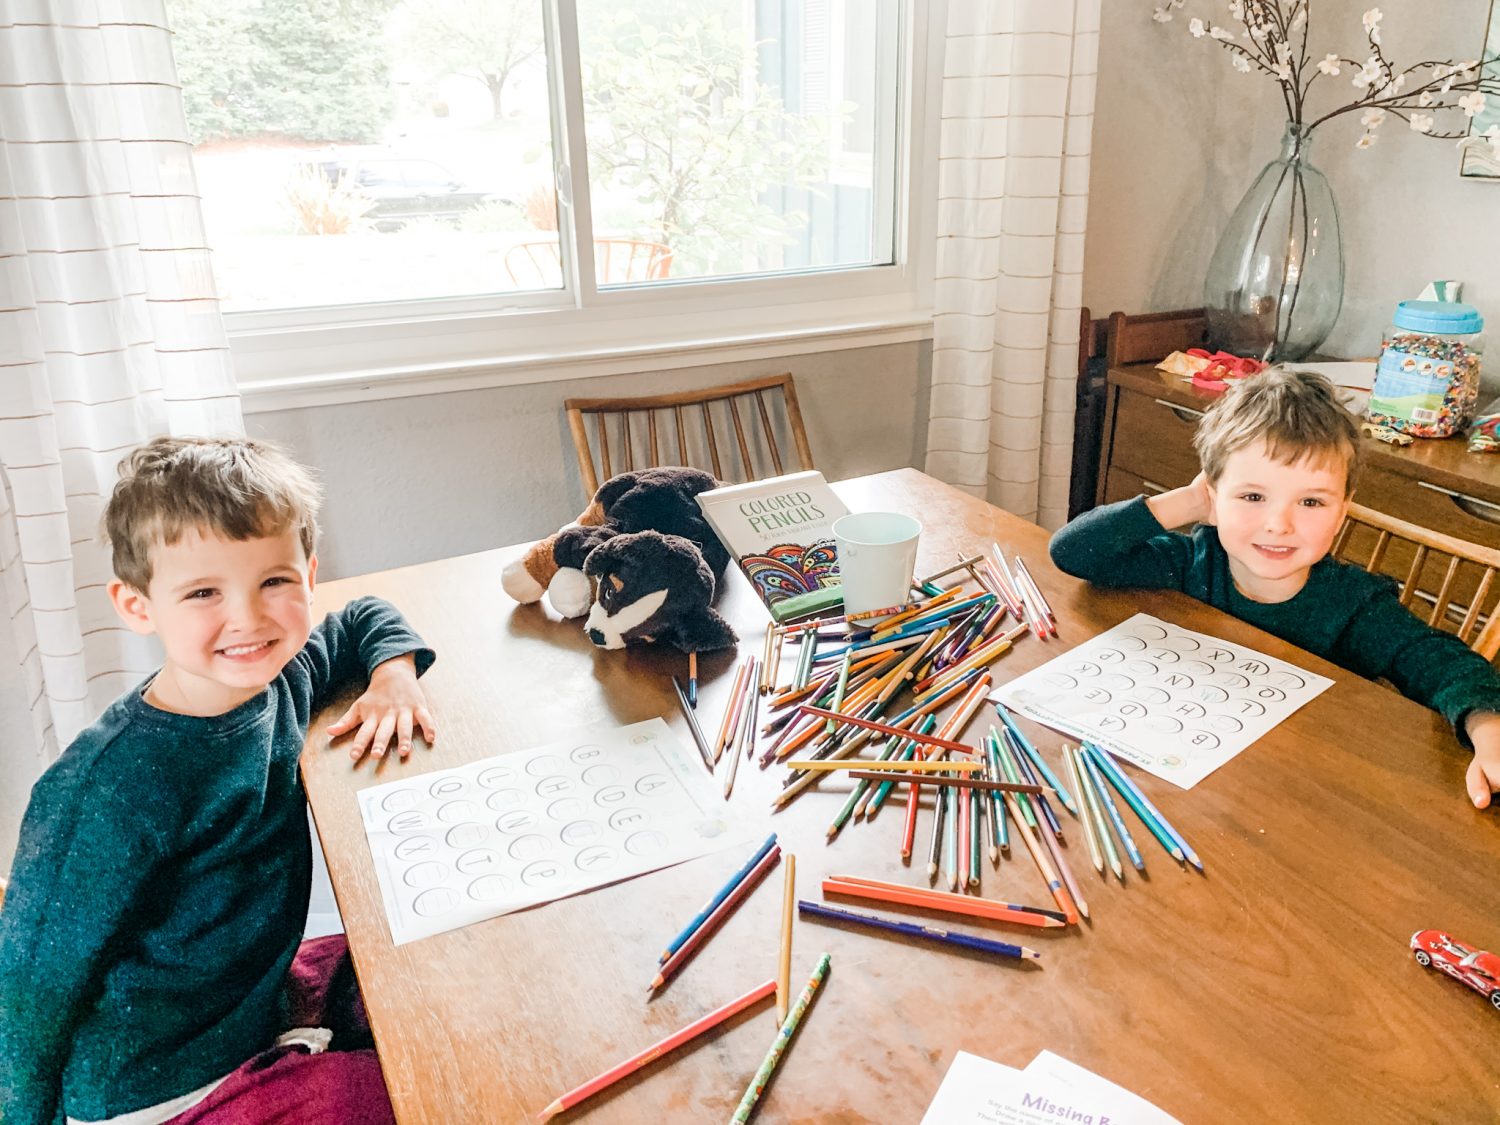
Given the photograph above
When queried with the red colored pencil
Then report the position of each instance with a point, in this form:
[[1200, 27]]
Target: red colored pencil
[[656, 1050], [714, 920]]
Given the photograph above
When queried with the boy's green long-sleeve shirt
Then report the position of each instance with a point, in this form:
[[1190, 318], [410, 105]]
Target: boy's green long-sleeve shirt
[[160, 888], [1343, 614]]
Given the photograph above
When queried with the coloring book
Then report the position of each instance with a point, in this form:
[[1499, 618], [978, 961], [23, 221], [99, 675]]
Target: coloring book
[[780, 530]]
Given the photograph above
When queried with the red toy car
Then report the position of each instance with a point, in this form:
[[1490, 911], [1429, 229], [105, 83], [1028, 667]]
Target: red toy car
[[1476, 968]]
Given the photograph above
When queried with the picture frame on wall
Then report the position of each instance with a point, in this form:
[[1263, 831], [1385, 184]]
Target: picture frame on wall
[[1480, 159]]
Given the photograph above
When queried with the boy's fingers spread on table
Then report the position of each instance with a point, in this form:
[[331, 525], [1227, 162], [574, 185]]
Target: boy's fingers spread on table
[[429, 728], [1480, 785], [383, 732], [403, 733], [361, 741], [345, 722]]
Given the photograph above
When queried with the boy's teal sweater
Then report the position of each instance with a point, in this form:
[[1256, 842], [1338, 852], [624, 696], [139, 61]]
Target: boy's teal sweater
[[1343, 614], [160, 888]]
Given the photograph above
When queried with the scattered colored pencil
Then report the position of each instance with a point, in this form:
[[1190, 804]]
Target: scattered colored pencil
[[942, 901], [670, 966], [784, 975], [1096, 813], [1031, 752], [693, 679], [692, 721], [970, 782], [1123, 783], [935, 845], [719, 896], [825, 765], [1044, 865], [1088, 821], [779, 1045], [657, 1050], [912, 929], [1037, 590], [1101, 790], [730, 710]]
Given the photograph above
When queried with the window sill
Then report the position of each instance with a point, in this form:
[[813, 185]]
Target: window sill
[[655, 343]]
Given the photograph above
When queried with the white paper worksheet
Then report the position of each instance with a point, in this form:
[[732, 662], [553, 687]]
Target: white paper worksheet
[[1179, 704], [457, 846], [976, 1091]]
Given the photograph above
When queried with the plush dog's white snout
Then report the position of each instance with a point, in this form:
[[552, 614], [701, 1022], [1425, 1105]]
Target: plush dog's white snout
[[607, 630]]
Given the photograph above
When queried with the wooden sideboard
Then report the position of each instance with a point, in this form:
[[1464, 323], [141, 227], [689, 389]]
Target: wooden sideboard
[[1147, 446]]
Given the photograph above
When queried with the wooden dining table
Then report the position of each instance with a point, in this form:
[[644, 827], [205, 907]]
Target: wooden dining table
[[1278, 985]]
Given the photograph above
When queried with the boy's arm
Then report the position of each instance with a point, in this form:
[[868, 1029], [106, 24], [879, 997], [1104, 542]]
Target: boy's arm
[[1386, 640], [1130, 544], [350, 644], [369, 640], [77, 878]]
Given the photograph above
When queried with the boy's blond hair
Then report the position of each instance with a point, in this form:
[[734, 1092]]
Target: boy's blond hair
[[1296, 413], [233, 487]]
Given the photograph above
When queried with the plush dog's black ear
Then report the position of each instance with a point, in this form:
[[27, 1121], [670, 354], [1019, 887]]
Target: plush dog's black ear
[[704, 631]]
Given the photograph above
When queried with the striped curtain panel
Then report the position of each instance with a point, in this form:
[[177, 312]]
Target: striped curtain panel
[[1018, 113], [110, 334]]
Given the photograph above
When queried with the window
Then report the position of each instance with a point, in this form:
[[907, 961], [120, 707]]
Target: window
[[384, 160]]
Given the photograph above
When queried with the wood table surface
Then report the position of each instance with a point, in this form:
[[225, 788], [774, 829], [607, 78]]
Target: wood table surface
[[1277, 987]]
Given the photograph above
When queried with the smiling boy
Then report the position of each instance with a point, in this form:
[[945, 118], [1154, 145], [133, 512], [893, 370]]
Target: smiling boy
[[151, 962], [1279, 457]]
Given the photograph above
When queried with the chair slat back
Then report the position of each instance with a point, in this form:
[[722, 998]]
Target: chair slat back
[[1133, 339], [1466, 563], [702, 421]]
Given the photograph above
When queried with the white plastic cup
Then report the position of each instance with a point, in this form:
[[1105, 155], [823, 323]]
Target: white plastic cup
[[877, 552]]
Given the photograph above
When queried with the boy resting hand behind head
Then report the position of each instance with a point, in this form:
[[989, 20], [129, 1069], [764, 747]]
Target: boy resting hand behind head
[[1280, 456], [161, 880]]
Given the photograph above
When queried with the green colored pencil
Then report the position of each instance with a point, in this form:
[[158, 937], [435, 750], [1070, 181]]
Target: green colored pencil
[[779, 1045], [840, 689], [997, 810], [1013, 775], [976, 833], [1101, 826], [926, 726]]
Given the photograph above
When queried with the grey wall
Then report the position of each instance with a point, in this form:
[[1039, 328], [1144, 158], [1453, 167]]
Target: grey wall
[[422, 478], [1179, 135]]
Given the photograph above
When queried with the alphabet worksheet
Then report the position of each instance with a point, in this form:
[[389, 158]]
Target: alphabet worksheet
[[1179, 704], [497, 835]]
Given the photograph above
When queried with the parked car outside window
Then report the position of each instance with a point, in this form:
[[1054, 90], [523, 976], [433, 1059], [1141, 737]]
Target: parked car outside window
[[402, 188]]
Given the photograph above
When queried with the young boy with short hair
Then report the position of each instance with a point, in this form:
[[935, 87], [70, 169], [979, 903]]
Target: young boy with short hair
[[149, 941], [1279, 457]]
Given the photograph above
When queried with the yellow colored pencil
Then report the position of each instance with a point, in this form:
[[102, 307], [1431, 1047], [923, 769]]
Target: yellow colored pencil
[[788, 910]]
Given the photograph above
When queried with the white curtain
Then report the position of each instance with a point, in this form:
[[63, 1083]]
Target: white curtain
[[1018, 112], [110, 333]]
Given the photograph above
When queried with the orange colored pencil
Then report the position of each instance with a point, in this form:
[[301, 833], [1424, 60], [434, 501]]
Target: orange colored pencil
[[657, 1050], [942, 901], [742, 891], [731, 710], [1044, 865]]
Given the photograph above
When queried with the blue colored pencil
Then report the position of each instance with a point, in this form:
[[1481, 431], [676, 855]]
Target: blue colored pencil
[[1031, 752], [1122, 782], [912, 929], [724, 892], [1113, 812]]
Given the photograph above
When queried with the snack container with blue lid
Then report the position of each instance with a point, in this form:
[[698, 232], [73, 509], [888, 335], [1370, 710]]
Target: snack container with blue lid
[[1427, 380]]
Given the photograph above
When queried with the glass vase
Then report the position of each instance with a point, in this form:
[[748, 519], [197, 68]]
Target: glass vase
[[1276, 281]]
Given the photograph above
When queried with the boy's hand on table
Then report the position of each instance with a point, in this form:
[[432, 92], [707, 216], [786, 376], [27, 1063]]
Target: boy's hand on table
[[1484, 772], [391, 707]]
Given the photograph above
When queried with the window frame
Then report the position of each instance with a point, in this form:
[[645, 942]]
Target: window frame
[[321, 355]]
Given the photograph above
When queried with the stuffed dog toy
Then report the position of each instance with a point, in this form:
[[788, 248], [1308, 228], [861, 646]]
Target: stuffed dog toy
[[646, 549]]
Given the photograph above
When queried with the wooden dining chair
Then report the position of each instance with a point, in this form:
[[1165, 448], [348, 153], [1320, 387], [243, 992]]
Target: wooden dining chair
[[1151, 336], [1465, 595], [691, 428]]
